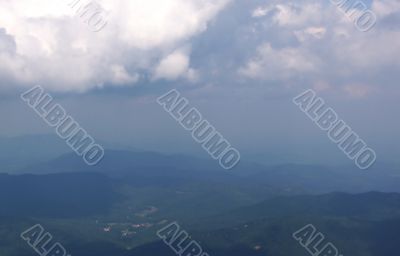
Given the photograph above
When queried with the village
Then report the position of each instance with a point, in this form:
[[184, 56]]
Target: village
[[129, 229]]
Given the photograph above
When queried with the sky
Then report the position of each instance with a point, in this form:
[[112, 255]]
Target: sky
[[239, 62]]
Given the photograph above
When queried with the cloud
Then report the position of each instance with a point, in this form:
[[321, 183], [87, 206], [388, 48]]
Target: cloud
[[357, 90], [278, 64], [175, 65], [309, 41], [119, 75], [290, 42], [386, 7], [47, 43]]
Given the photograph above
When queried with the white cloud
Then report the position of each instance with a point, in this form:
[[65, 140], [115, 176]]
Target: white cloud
[[45, 43], [173, 66], [121, 76], [324, 45], [357, 90], [309, 33], [261, 11], [294, 15], [277, 64]]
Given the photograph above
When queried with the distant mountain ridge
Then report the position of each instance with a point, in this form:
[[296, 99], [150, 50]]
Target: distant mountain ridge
[[366, 206], [300, 179], [18, 152]]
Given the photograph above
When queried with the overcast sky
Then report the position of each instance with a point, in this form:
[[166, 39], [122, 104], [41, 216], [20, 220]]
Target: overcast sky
[[239, 62]]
